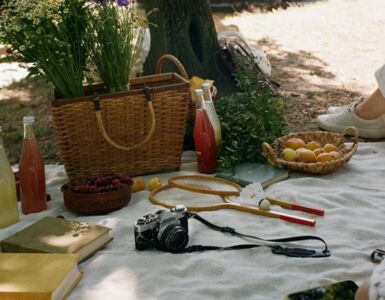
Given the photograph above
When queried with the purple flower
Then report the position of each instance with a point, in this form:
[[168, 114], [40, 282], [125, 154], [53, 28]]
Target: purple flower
[[124, 3]]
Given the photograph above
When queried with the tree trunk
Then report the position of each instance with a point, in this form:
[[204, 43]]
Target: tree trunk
[[185, 29]]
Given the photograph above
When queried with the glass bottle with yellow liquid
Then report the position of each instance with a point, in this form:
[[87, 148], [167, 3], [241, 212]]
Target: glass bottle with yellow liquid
[[9, 213], [212, 113]]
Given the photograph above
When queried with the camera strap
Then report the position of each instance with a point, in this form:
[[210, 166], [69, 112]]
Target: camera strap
[[275, 247]]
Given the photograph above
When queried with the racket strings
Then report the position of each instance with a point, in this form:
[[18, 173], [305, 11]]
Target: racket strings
[[205, 184], [190, 199]]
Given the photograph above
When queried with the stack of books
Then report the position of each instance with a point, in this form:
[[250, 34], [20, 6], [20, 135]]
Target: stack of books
[[40, 261]]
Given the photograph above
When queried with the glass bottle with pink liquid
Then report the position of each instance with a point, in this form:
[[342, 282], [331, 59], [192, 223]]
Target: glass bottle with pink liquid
[[32, 172], [204, 137]]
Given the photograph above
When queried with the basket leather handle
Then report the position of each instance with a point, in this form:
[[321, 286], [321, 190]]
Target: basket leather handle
[[172, 58], [346, 131], [107, 137]]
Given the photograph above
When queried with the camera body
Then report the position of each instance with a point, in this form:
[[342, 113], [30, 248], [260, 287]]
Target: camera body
[[165, 229]]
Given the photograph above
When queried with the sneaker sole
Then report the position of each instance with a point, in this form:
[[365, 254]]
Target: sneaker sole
[[363, 133]]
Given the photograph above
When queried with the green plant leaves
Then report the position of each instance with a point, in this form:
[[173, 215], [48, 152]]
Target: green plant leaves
[[249, 118]]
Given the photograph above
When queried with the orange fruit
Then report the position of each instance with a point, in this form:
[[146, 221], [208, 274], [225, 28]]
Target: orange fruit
[[313, 145], [330, 148], [288, 154], [323, 157], [295, 143], [335, 154], [137, 185], [306, 156], [318, 151]]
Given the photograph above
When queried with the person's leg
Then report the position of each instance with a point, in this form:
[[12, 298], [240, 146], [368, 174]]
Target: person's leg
[[363, 292], [368, 109], [368, 116], [372, 107]]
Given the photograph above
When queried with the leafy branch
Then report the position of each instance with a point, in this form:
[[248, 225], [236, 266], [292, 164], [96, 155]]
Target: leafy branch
[[249, 118]]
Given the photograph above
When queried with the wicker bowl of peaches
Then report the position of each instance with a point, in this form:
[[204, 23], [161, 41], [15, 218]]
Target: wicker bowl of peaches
[[317, 152]]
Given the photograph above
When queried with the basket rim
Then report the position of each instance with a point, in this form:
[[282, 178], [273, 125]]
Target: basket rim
[[65, 190], [326, 133], [100, 90]]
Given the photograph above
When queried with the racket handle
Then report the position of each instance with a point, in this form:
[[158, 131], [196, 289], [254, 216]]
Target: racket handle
[[298, 220], [315, 211], [296, 206]]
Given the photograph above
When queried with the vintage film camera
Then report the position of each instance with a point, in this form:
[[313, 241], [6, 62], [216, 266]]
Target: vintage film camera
[[165, 230]]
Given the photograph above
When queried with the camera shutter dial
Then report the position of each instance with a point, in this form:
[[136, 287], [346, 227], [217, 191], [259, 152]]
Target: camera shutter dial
[[180, 208]]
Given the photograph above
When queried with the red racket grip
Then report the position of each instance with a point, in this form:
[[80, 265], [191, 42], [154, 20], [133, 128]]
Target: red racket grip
[[298, 220], [315, 211]]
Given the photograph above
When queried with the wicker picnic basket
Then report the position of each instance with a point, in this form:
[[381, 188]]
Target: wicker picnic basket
[[135, 132], [322, 137]]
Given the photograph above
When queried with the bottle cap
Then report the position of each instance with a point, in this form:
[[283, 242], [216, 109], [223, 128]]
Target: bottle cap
[[205, 85], [198, 92], [28, 119]]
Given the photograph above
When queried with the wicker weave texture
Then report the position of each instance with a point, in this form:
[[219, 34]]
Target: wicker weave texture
[[126, 119], [322, 137]]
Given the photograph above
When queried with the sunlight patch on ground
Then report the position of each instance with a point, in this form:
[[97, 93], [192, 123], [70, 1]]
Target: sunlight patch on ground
[[347, 36], [10, 73], [7, 94]]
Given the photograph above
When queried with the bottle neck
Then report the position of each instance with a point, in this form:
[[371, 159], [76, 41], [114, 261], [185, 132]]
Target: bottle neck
[[28, 132], [207, 95], [200, 102]]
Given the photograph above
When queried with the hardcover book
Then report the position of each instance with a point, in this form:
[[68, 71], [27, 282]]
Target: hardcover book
[[56, 235], [247, 173], [37, 276]]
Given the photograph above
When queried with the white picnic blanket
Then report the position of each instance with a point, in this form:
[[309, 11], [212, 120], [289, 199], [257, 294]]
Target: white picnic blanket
[[353, 226]]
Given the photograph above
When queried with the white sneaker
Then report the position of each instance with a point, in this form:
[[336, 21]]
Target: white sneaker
[[338, 109], [373, 129]]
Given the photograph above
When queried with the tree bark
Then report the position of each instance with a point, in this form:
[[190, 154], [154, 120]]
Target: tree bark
[[185, 29]]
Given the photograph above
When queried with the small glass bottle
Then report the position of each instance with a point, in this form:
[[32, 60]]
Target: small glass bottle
[[204, 137], [212, 113], [9, 213], [32, 172]]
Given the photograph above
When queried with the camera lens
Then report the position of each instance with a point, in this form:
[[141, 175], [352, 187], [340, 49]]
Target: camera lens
[[174, 238]]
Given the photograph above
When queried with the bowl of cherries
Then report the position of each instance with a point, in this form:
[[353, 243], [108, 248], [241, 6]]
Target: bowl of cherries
[[97, 195]]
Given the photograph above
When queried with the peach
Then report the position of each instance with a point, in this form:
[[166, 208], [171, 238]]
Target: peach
[[306, 156], [312, 145], [295, 143], [288, 154], [318, 151], [138, 185], [297, 151], [330, 148], [335, 154], [324, 157]]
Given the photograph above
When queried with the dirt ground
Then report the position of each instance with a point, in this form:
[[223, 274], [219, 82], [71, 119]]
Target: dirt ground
[[323, 53]]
